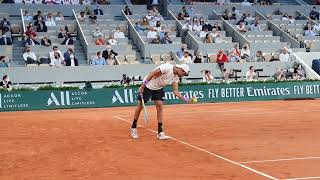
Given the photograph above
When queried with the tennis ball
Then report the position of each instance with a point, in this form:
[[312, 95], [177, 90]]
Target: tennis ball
[[194, 100]]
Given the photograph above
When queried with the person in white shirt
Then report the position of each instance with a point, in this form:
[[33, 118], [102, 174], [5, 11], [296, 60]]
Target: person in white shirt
[[37, 1], [82, 16], [28, 1], [186, 59], [152, 87], [29, 57], [50, 21], [206, 76], [291, 20], [86, 2], [245, 3], [57, 2], [112, 41], [152, 34], [241, 27], [118, 34], [245, 52], [187, 26], [158, 17], [197, 27], [284, 56], [203, 33], [214, 33], [251, 74], [55, 50], [316, 27], [255, 26], [149, 16], [27, 16], [218, 39], [285, 17], [96, 33], [56, 60], [74, 2], [18, 1], [59, 17], [66, 2]]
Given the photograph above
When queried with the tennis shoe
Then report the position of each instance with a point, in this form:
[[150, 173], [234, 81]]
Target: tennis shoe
[[134, 133], [162, 136]]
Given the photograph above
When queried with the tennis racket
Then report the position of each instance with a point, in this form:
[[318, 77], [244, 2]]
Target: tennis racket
[[145, 113]]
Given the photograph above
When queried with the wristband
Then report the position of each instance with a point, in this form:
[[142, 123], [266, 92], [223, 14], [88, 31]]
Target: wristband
[[186, 99], [145, 82]]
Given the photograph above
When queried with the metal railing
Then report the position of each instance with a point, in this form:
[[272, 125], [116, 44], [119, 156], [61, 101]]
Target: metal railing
[[22, 19], [79, 26]]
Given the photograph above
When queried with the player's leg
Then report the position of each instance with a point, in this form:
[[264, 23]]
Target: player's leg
[[158, 97], [137, 112]]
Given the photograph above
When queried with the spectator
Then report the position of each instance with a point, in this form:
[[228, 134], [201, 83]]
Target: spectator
[[69, 58], [245, 3], [5, 25], [27, 16], [96, 33], [30, 32], [98, 11], [208, 39], [280, 74], [187, 26], [203, 33], [259, 57], [291, 20], [162, 31], [198, 57], [4, 40], [241, 27], [93, 18], [166, 39], [235, 11], [29, 57], [158, 26], [145, 22], [152, 34], [219, 39], [155, 40], [31, 41], [208, 26], [197, 27], [118, 34], [152, 22], [100, 40], [255, 27], [88, 10], [6, 83], [38, 17], [68, 40], [74, 2], [41, 26], [245, 52], [55, 49], [3, 62], [299, 72], [111, 60], [234, 57], [225, 76], [221, 2], [251, 75], [221, 59], [277, 12], [306, 27], [149, 16], [66, 2], [127, 11], [46, 41], [158, 17], [309, 32], [236, 50], [139, 27], [207, 76], [50, 21], [62, 32], [86, 2], [181, 51], [82, 16], [112, 41], [249, 19], [284, 56], [59, 17], [316, 27], [99, 60], [314, 14], [108, 51], [186, 59], [57, 60], [299, 16], [285, 17], [217, 26], [103, 2]]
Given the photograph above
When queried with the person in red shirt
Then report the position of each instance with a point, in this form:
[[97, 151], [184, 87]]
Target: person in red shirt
[[100, 41], [221, 59], [30, 32]]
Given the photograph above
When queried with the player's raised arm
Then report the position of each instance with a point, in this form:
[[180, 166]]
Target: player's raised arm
[[175, 90]]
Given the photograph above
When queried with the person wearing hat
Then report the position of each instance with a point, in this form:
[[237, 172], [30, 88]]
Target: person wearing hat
[[152, 87]]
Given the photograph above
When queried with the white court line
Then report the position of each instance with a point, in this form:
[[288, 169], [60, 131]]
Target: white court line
[[303, 178], [277, 160], [208, 152]]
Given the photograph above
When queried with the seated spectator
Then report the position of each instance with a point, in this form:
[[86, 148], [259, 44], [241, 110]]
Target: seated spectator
[[27, 16], [280, 74], [69, 58], [314, 14], [284, 56], [82, 16], [93, 18], [207, 76], [291, 20], [74, 2], [152, 22], [208, 26], [316, 27], [203, 33], [234, 57], [85, 2], [236, 50], [127, 11], [29, 57], [145, 22], [3, 62], [197, 27], [57, 60], [186, 59], [158, 26], [299, 16], [111, 60], [285, 17], [31, 41], [181, 51], [5, 25], [219, 39], [221, 2], [118, 34], [30, 32], [103, 2], [245, 52], [225, 76], [38, 17], [112, 41], [208, 39], [158, 17], [187, 26], [255, 27], [166, 39], [241, 27], [245, 3], [217, 26], [251, 74], [66, 2], [155, 40], [221, 59], [306, 27], [88, 10], [55, 49], [41, 26], [235, 11], [4, 40], [68, 40], [6, 83], [108, 51], [98, 11], [59, 17], [277, 12], [249, 19], [139, 28], [162, 32], [46, 41], [50, 21], [149, 16], [299, 72], [62, 32], [99, 60], [152, 34], [309, 32], [198, 57], [100, 40], [259, 57], [96, 33]]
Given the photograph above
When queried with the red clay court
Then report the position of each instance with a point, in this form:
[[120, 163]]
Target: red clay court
[[247, 140]]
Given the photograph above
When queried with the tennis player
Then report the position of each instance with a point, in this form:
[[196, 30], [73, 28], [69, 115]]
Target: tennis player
[[152, 87]]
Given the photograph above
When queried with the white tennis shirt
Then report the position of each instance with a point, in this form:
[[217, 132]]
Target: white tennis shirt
[[166, 78]]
